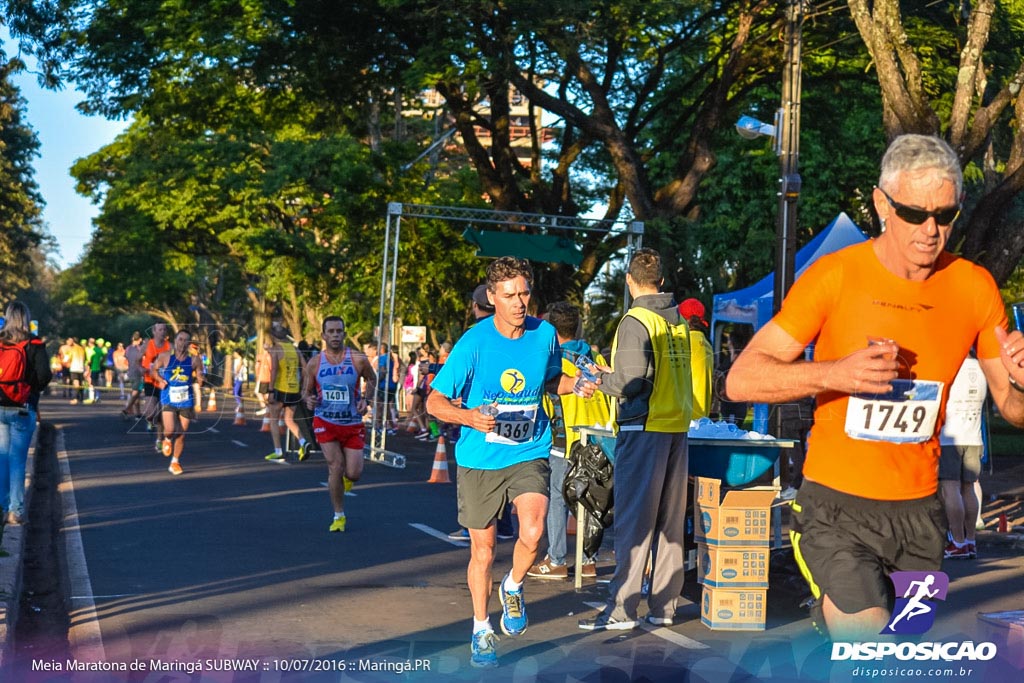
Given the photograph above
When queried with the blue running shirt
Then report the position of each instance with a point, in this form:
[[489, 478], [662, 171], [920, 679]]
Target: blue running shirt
[[488, 367], [177, 393]]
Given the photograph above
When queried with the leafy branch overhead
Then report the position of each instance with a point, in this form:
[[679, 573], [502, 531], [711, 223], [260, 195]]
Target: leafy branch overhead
[[269, 136]]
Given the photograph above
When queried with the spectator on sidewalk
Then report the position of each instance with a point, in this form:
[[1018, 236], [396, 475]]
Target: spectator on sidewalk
[[960, 458], [19, 405]]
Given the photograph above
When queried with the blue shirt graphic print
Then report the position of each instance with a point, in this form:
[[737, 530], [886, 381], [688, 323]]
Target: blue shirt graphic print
[[488, 367], [177, 393]]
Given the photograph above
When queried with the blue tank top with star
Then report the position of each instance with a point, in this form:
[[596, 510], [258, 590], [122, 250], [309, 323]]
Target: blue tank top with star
[[177, 391], [337, 391]]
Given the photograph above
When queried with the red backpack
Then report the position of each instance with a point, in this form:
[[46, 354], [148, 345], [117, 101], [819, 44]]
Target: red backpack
[[13, 366]]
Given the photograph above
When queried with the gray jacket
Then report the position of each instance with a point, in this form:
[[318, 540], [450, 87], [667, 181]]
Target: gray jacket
[[633, 360]]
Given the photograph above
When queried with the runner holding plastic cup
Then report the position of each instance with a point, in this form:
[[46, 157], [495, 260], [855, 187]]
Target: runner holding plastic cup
[[586, 372]]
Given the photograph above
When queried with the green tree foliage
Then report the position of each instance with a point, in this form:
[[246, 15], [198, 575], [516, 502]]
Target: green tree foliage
[[274, 204], [957, 70], [23, 238], [606, 70]]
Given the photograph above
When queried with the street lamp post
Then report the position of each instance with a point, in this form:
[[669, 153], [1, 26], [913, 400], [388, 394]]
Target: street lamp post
[[786, 135], [788, 146]]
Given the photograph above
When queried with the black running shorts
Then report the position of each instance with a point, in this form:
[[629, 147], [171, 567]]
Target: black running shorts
[[184, 413], [482, 494], [286, 398], [847, 546]]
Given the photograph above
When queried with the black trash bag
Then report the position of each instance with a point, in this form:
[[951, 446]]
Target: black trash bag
[[589, 481], [593, 535]]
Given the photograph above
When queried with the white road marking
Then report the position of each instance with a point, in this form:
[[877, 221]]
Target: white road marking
[[430, 531], [84, 636], [662, 632], [347, 493], [238, 443]]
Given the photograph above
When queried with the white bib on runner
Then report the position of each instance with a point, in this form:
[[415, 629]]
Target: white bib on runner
[[513, 425], [179, 394], [336, 394], [907, 414]]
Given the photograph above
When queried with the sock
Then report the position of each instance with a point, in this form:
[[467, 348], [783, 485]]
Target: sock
[[510, 585], [339, 515], [278, 451], [175, 459], [484, 625], [302, 442]]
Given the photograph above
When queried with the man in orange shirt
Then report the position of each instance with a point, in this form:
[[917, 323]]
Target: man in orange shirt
[[893, 318], [151, 410]]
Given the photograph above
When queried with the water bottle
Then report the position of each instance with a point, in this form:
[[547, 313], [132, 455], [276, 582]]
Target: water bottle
[[1018, 315], [488, 409], [586, 374]]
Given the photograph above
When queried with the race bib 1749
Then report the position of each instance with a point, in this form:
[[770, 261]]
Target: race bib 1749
[[907, 414]]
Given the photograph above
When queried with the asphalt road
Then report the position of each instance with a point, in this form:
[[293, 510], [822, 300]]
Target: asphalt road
[[228, 573]]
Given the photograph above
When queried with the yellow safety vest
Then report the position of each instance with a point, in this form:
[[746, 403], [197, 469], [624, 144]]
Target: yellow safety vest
[[701, 365], [670, 405], [287, 379]]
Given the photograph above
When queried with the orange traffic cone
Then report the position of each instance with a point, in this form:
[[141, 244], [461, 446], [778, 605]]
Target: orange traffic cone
[[265, 427], [211, 405], [239, 417], [439, 472]]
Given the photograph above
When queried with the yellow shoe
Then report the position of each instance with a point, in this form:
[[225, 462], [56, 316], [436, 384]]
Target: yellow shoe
[[303, 451], [338, 524], [348, 483], [175, 468], [167, 447]]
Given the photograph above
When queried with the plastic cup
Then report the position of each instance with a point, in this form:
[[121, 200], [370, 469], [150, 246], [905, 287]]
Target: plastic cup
[[881, 341], [488, 409]]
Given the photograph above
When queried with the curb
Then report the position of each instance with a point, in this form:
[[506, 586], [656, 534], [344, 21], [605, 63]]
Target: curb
[[11, 565]]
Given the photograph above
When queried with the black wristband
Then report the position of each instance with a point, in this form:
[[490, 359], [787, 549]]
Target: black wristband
[[1013, 383]]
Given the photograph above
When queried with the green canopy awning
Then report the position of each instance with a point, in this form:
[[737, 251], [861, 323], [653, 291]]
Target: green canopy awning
[[543, 248]]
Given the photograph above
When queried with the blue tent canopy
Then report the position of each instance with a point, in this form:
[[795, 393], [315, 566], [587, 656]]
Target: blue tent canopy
[[753, 304]]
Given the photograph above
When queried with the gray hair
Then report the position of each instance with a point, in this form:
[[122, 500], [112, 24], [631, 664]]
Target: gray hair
[[912, 152], [17, 319]]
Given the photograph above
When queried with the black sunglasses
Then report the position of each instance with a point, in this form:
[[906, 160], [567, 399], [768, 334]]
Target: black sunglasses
[[918, 216]]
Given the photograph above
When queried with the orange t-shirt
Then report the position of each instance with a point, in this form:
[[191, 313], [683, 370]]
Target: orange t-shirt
[[844, 298], [150, 354]]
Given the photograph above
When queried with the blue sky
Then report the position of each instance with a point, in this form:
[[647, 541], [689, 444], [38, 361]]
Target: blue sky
[[64, 135]]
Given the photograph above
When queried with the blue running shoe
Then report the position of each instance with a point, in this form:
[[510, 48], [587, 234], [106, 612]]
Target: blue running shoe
[[513, 611], [484, 654]]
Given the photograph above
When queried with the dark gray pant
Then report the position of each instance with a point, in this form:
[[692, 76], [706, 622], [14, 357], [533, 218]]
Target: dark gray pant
[[650, 515]]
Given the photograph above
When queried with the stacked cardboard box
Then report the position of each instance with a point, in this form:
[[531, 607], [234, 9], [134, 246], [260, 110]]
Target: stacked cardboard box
[[1006, 630], [732, 535]]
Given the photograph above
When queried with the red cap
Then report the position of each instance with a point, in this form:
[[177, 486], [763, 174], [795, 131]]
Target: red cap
[[692, 308]]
